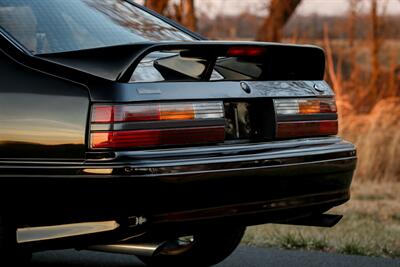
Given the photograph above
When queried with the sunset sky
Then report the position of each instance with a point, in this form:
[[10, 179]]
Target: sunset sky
[[322, 7]]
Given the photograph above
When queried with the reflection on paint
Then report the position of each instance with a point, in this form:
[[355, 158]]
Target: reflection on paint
[[98, 171], [33, 234]]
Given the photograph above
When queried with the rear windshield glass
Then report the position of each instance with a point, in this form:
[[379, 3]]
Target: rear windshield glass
[[50, 26]]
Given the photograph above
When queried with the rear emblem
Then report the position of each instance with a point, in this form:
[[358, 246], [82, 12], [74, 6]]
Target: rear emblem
[[245, 87], [318, 89]]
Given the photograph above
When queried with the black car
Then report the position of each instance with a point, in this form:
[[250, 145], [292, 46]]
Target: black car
[[122, 131]]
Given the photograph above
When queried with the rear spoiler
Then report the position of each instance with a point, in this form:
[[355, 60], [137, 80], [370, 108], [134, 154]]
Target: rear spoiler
[[277, 61]]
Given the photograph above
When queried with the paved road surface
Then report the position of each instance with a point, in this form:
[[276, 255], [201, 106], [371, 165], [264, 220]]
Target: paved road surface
[[243, 257]]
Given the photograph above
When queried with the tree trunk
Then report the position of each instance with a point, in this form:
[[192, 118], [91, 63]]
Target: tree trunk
[[157, 5], [352, 32], [332, 72], [280, 12], [189, 19], [392, 87], [375, 47], [352, 22]]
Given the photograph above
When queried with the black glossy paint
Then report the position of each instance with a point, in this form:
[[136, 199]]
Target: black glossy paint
[[167, 91], [118, 63], [90, 198], [41, 116], [159, 182]]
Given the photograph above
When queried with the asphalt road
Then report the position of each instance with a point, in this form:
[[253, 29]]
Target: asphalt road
[[243, 257]]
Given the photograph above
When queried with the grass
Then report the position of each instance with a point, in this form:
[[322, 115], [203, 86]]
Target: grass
[[298, 241], [353, 248], [377, 138], [371, 226]]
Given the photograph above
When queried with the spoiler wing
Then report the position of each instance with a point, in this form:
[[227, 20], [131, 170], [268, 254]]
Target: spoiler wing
[[277, 61]]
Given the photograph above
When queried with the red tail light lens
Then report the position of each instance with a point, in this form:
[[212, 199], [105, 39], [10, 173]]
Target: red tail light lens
[[306, 128], [305, 117], [148, 138], [157, 124]]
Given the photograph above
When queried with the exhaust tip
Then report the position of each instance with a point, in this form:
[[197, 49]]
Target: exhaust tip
[[318, 220], [139, 249]]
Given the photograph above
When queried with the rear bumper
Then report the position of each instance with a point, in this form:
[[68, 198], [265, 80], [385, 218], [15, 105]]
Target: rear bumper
[[247, 184]]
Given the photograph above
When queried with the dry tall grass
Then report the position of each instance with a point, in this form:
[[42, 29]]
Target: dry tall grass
[[377, 136], [370, 226]]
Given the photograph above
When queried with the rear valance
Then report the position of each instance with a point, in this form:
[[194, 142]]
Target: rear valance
[[252, 60]]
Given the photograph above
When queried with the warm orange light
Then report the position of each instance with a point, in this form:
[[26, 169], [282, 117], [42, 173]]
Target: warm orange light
[[99, 139], [305, 106], [309, 107], [181, 112]]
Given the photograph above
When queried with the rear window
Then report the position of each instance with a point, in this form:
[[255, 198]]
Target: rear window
[[51, 26]]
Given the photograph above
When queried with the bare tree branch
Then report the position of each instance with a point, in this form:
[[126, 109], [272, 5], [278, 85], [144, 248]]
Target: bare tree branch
[[352, 32], [280, 12], [333, 74], [375, 47]]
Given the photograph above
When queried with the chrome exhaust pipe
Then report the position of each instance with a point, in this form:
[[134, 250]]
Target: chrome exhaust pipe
[[319, 220], [144, 249]]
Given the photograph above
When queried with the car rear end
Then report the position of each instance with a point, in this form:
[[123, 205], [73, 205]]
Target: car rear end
[[246, 159], [238, 140], [182, 136], [219, 145]]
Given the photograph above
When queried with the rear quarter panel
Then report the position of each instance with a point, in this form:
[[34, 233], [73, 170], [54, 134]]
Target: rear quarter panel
[[41, 116]]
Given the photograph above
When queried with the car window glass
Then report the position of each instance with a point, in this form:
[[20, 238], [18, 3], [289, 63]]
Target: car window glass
[[50, 26]]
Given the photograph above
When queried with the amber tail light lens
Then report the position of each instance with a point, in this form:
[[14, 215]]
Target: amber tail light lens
[[305, 117], [153, 125]]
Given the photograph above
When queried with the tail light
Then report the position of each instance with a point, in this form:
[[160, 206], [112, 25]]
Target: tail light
[[305, 117], [150, 125]]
